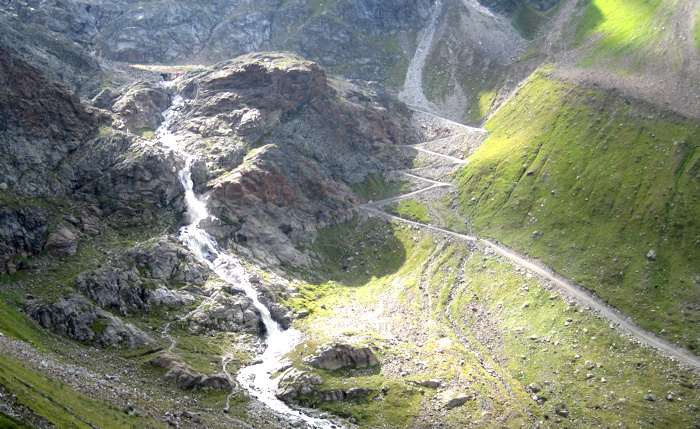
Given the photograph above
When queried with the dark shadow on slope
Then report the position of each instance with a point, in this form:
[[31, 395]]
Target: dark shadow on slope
[[592, 17], [354, 252]]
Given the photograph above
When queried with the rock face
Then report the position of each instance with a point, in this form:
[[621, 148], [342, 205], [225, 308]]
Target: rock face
[[21, 232], [341, 355], [187, 377], [57, 55], [341, 33], [295, 382], [137, 106], [42, 121], [142, 278], [76, 318], [510, 6]]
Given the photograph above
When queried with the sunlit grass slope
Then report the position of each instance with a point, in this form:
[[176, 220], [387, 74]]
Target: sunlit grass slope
[[625, 27], [603, 180], [484, 328]]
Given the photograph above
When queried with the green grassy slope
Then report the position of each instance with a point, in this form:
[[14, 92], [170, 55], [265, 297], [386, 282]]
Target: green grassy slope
[[603, 180], [485, 329], [625, 28]]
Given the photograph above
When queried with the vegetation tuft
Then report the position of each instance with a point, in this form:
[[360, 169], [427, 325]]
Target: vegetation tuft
[[527, 20]]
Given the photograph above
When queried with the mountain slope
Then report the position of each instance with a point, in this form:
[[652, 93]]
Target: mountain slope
[[591, 182], [593, 163]]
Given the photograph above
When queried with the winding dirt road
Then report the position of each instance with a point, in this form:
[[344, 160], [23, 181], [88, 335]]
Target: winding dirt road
[[584, 297]]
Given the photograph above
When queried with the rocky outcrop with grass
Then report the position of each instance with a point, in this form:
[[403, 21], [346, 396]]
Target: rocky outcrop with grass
[[279, 143]]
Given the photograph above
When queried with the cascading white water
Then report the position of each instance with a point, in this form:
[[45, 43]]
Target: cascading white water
[[257, 379]]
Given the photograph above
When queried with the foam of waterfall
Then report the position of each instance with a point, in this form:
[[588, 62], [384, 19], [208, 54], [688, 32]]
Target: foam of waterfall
[[257, 379]]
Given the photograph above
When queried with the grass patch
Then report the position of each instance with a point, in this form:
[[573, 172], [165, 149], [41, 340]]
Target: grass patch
[[513, 324], [603, 180], [16, 324], [697, 30], [376, 187], [353, 252], [7, 422], [527, 20], [409, 209], [60, 404], [529, 54], [145, 132], [582, 366]]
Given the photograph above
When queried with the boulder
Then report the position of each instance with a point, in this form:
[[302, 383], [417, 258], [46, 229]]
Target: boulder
[[535, 387], [139, 106], [76, 318], [330, 395], [341, 355], [295, 382], [187, 377], [458, 401], [651, 255], [356, 392], [62, 242], [433, 384]]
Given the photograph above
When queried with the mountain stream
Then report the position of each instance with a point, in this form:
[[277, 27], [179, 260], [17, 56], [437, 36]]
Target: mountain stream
[[257, 378]]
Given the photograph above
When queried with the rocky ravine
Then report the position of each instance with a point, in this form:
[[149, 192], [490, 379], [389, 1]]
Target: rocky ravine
[[277, 144]]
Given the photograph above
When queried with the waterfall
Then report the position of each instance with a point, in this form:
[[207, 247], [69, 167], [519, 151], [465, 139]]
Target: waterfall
[[257, 379]]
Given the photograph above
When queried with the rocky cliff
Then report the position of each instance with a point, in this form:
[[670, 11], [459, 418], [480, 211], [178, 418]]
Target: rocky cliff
[[358, 38]]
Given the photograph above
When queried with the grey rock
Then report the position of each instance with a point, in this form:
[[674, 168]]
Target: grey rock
[[139, 106], [21, 233], [343, 36], [356, 392], [187, 377], [456, 402], [228, 313], [62, 242], [311, 136], [341, 355], [651, 255], [294, 382], [163, 296], [535, 387], [330, 395], [43, 121], [76, 318], [433, 384]]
